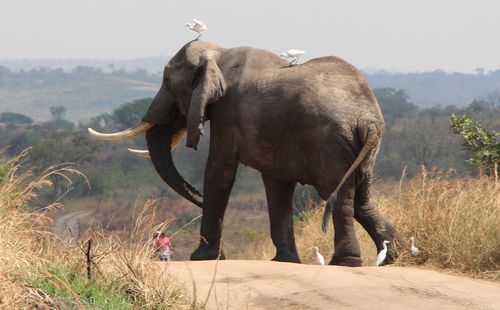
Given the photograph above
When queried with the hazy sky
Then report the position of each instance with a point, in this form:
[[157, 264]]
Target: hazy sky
[[454, 35]]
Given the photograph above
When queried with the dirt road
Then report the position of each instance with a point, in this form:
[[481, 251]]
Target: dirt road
[[68, 224], [272, 285]]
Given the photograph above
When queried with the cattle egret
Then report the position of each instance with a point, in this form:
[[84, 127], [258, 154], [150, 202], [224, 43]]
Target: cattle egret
[[414, 250], [197, 26], [319, 258], [381, 256], [292, 54]]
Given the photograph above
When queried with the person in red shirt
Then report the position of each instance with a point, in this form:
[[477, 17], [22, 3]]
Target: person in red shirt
[[163, 247]]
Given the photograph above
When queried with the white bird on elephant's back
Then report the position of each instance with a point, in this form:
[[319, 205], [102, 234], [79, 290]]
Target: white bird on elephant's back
[[197, 26], [293, 54]]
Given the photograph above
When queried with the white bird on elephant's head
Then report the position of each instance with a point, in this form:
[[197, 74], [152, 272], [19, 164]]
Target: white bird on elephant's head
[[383, 254], [197, 26], [414, 250], [292, 54], [319, 258]]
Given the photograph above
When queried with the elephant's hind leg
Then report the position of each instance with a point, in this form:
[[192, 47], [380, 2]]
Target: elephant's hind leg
[[373, 222], [279, 201], [347, 251]]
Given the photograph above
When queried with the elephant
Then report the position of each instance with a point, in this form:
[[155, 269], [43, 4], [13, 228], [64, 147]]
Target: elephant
[[315, 123]]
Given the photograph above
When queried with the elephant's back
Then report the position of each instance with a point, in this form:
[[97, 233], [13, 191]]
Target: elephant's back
[[331, 64]]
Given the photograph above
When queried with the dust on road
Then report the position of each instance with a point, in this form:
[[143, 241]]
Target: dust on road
[[272, 285]]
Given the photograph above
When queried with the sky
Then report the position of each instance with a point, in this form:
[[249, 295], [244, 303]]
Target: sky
[[395, 35]]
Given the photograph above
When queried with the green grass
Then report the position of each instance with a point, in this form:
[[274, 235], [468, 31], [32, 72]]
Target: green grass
[[73, 289]]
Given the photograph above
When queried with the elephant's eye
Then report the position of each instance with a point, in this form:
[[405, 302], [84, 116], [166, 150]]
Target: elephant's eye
[[197, 77], [166, 80]]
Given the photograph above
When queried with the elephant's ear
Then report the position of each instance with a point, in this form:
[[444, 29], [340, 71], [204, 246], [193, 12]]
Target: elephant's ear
[[209, 86]]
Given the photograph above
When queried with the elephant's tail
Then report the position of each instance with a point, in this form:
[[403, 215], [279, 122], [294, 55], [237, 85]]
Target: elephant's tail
[[372, 139]]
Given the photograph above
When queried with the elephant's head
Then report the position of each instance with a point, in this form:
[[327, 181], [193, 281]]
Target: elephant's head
[[192, 80]]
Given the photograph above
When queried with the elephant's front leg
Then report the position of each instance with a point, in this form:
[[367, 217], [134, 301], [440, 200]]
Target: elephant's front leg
[[219, 180], [347, 251], [279, 200]]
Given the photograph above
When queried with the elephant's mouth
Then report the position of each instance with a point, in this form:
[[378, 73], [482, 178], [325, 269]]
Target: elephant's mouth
[[161, 139]]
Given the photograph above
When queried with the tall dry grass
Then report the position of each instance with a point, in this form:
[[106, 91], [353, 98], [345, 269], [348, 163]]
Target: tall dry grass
[[455, 222], [37, 269], [23, 237], [126, 258]]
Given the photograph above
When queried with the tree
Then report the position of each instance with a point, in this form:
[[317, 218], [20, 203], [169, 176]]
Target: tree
[[63, 147], [131, 113], [57, 112], [15, 118], [394, 104], [480, 141]]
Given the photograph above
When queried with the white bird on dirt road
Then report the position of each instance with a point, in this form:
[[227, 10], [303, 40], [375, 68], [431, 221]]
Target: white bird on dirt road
[[382, 255], [292, 54], [197, 26], [319, 258], [414, 250]]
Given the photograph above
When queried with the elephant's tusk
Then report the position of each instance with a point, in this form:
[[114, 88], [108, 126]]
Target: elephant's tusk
[[140, 153], [178, 137], [124, 135], [175, 141]]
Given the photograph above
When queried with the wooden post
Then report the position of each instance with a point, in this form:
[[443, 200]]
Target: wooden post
[[481, 171], [89, 259], [495, 171]]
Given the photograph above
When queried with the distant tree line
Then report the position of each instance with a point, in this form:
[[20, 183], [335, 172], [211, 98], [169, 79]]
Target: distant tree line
[[48, 76], [429, 89], [413, 137]]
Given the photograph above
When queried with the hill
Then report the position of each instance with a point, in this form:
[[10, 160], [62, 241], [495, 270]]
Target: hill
[[84, 91], [88, 87], [439, 88], [150, 64]]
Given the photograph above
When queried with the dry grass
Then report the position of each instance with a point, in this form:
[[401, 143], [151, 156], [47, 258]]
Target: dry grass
[[126, 258], [455, 222], [39, 270], [23, 237]]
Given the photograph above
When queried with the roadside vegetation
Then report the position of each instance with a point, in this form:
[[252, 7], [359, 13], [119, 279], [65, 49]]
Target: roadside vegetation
[[39, 270], [455, 223]]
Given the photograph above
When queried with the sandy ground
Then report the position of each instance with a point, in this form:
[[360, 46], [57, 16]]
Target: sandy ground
[[269, 285]]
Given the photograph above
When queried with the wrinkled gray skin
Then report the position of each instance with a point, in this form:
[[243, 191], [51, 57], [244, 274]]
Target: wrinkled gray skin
[[305, 123]]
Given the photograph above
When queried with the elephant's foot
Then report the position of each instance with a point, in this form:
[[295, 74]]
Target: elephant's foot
[[287, 257], [204, 252], [392, 251], [396, 243], [349, 261]]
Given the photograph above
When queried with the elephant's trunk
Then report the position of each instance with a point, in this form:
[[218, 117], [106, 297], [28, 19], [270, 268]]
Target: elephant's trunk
[[159, 139]]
